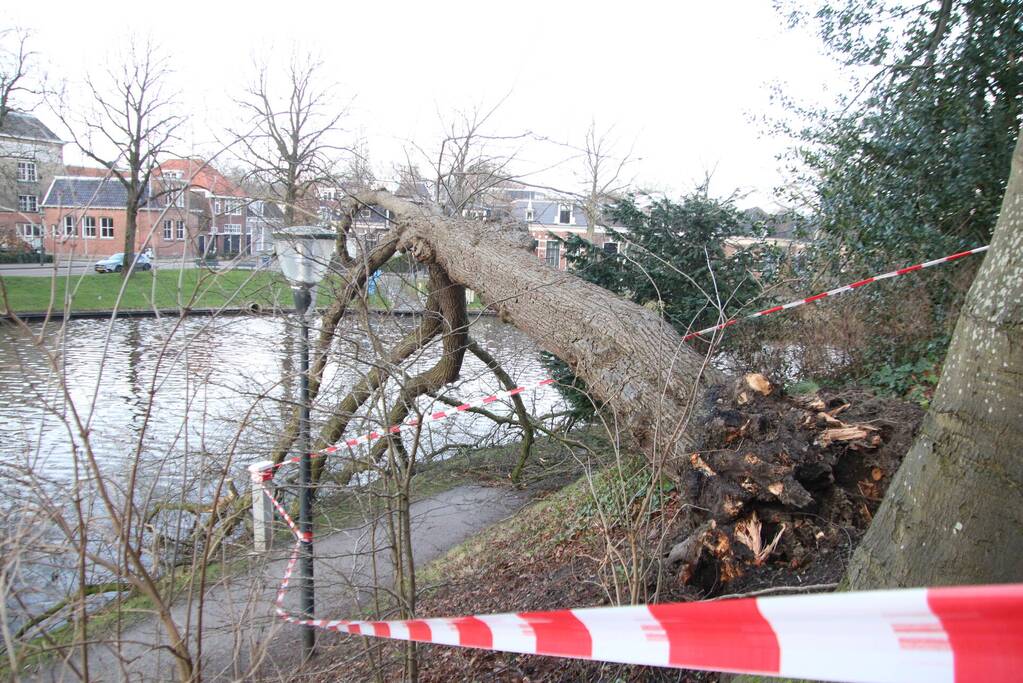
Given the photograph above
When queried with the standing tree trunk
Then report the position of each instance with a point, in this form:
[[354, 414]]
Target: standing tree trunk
[[130, 230], [954, 511]]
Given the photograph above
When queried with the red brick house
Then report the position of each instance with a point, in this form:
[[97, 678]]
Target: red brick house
[[85, 216], [237, 225]]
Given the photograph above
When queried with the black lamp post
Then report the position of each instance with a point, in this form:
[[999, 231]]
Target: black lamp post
[[304, 254]]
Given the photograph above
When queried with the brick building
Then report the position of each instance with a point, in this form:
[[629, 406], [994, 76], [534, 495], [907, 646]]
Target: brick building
[[30, 156], [86, 216], [236, 224]]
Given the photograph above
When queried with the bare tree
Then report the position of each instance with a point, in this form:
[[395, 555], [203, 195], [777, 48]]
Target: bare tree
[[292, 148], [16, 70], [468, 162], [133, 120], [603, 173]]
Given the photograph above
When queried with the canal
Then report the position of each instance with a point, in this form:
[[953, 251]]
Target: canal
[[169, 405]]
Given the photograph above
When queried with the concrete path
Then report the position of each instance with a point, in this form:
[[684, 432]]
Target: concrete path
[[242, 639]]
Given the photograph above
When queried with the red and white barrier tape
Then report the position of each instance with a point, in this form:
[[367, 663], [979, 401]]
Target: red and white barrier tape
[[838, 290], [369, 437], [971, 633], [484, 400]]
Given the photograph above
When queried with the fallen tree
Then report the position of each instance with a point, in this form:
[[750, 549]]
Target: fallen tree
[[659, 391]]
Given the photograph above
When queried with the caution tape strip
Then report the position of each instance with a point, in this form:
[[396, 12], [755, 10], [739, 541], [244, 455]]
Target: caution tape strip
[[371, 436], [960, 634], [839, 290], [969, 633]]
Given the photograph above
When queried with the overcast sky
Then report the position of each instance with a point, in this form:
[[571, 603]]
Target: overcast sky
[[680, 82]]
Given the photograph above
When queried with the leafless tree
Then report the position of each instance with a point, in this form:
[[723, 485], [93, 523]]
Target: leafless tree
[[293, 148], [468, 162], [604, 173], [131, 125], [17, 71]]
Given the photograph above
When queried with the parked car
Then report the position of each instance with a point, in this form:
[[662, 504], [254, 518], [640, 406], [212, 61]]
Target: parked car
[[115, 263]]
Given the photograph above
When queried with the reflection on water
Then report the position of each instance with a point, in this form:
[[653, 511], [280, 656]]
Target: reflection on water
[[175, 405], [160, 387]]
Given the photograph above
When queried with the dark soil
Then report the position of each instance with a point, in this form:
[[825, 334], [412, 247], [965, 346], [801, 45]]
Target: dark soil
[[554, 557]]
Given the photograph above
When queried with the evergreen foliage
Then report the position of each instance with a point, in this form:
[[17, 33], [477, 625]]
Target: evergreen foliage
[[915, 163], [672, 259]]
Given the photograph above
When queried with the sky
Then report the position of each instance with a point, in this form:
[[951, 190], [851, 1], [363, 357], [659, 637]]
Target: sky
[[681, 85]]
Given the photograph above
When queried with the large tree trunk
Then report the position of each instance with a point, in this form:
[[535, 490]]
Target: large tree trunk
[[954, 512], [634, 364], [626, 354]]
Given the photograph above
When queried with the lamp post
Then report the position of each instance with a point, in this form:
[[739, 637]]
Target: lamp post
[[304, 253]]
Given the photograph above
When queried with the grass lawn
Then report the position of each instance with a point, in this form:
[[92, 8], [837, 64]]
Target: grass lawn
[[165, 289], [194, 288]]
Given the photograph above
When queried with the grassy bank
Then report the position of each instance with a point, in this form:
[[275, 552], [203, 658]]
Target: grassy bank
[[163, 289], [191, 288]]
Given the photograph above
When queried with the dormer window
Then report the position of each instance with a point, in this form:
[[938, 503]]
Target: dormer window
[[565, 214], [530, 215]]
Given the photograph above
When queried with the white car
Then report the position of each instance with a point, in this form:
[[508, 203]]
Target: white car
[[115, 263]]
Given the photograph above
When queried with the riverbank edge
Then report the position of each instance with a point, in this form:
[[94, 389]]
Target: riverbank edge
[[487, 466], [38, 316]]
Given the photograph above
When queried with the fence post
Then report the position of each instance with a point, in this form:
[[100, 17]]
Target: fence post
[[259, 473]]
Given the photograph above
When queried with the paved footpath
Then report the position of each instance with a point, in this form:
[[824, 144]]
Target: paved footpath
[[241, 635]]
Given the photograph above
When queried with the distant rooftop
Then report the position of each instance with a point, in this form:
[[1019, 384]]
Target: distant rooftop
[[26, 127], [75, 192], [200, 173]]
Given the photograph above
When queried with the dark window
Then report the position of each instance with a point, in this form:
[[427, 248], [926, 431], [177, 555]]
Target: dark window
[[168, 230], [564, 214], [179, 232], [610, 247], [88, 226], [28, 203], [27, 172], [106, 228]]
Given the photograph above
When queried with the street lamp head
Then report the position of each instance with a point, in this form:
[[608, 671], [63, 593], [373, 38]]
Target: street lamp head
[[304, 252]]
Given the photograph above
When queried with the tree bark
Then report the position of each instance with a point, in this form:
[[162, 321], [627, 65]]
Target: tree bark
[[954, 511], [633, 362], [130, 230]]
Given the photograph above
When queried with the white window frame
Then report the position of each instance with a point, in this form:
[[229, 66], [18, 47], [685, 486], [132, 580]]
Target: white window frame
[[168, 229], [28, 172], [217, 207], [106, 223], [70, 229], [547, 253], [29, 200], [530, 215], [179, 230], [30, 230], [231, 229], [233, 207], [175, 197], [88, 227]]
